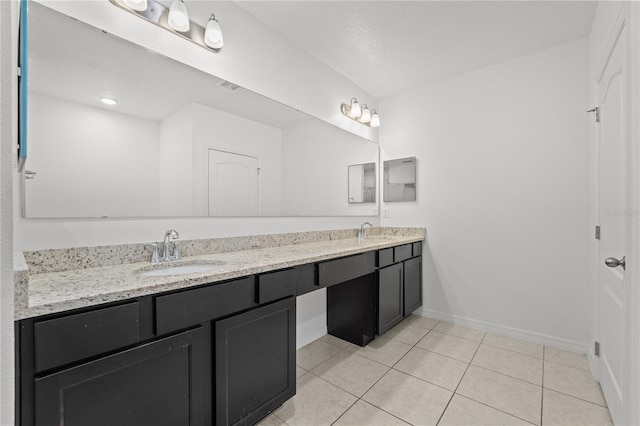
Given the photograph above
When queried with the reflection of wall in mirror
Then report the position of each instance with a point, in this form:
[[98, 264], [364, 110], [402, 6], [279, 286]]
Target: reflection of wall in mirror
[[369, 183], [90, 162], [93, 162], [315, 156]]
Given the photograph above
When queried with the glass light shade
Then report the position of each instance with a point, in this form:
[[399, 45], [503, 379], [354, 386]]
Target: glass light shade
[[354, 110], [375, 119], [108, 101], [213, 34], [138, 5], [178, 16], [366, 115]]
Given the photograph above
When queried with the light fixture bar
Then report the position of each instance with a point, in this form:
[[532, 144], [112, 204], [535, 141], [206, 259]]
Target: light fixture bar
[[360, 113], [159, 15]]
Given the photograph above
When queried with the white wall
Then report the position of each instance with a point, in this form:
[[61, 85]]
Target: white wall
[[7, 146], [217, 129], [314, 178], [503, 172], [90, 162]]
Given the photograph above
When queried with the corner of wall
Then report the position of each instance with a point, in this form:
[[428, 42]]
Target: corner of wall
[[8, 52]]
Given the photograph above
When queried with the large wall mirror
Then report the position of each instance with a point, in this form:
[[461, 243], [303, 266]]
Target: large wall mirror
[[178, 142]]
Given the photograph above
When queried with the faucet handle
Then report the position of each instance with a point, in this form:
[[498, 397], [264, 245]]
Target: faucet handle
[[154, 257], [175, 254]]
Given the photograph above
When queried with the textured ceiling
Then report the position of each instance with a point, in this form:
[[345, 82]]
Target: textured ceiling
[[390, 46]]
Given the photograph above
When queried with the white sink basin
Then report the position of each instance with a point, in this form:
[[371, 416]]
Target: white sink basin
[[169, 269]]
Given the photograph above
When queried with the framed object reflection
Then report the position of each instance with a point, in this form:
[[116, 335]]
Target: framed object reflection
[[399, 180], [362, 183]]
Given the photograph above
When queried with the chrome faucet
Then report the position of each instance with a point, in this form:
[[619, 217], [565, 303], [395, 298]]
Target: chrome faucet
[[361, 232], [170, 235]]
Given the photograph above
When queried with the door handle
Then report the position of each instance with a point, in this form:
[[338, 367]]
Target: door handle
[[612, 262]]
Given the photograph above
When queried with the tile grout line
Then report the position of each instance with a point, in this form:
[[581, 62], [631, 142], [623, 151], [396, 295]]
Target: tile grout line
[[480, 402], [577, 397], [455, 391], [568, 366], [496, 409], [376, 382], [446, 356], [544, 350], [516, 352]]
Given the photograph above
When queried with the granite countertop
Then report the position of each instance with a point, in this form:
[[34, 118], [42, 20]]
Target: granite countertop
[[49, 292]]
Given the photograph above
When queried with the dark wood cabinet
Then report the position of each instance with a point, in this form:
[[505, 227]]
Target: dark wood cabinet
[[218, 354], [351, 310], [161, 383], [390, 297], [412, 285], [255, 362]]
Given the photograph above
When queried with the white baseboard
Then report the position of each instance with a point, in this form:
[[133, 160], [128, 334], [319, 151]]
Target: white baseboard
[[517, 333], [310, 330]]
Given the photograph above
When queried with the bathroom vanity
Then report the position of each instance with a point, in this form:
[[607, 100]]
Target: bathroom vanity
[[109, 345]]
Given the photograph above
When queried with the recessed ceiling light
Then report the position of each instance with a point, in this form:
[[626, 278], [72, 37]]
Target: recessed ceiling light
[[108, 101]]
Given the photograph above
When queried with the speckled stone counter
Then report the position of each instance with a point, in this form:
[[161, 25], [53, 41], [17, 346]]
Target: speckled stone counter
[[64, 279]]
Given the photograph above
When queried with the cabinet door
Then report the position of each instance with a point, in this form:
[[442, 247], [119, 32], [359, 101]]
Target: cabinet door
[[412, 285], [155, 384], [390, 297], [255, 362]]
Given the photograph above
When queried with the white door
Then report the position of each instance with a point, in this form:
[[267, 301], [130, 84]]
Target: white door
[[233, 184], [614, 293]]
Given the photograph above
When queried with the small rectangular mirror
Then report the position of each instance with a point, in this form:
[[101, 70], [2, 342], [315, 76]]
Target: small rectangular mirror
[[362, 183], [399, 180]]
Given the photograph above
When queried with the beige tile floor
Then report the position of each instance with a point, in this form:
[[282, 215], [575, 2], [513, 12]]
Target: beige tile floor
[[425, 372]]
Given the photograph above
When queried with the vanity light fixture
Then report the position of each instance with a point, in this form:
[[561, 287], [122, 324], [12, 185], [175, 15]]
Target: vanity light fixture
[[365, 117], [138, 5], [108, 101], [375, 119], [176, 20], [213, 33], [178, 16], [352, 110], [361, 114]]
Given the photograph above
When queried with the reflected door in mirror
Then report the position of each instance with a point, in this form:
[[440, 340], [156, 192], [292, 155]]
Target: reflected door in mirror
[[233, 184]]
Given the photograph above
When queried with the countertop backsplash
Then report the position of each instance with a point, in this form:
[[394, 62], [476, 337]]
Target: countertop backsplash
[[66, 259]]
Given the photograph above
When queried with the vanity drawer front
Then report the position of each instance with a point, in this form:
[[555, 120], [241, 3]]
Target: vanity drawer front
[[346, 268], [187, 308], [417, 249], [75, 337], [306, 281], [276, 285], [403, 252], [385, 257]]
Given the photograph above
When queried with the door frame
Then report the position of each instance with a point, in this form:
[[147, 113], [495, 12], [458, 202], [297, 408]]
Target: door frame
[[629, 16], [205, 192]]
